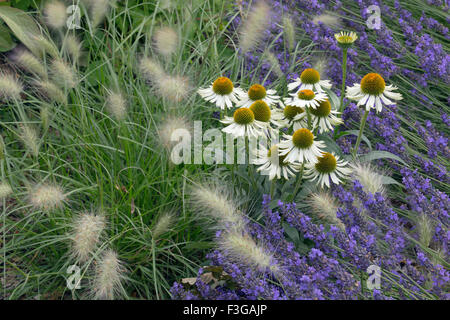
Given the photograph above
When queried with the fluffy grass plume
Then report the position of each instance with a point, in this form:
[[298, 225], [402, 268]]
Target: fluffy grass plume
[[10, 87], [73, 47], [29, 136], [425, 229], [324, 206], [289, 31], [173, 88], [371, 180], [5, 190], [109, 274], [164, 223], [166, 41], [46, 197], [55, 14], [168, 127], [51, 91], [28, 62], [215, 201], [328, 19], [116, 105], [150, 69], [87, 230], [242, 248], [252, 30], [98, 11], [63, 74]]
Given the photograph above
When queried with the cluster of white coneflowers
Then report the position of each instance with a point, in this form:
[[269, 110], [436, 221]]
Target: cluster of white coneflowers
[[303, 115]]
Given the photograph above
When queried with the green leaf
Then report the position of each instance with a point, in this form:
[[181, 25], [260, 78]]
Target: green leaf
[[331, 145], [6, 42], [291, 232], [334, 100], [355, 133], [389, 180], [375, 155], [22, 26]]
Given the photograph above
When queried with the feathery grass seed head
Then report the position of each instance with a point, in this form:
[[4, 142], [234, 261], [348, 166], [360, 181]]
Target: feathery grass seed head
[[253, 27], [5, 190], [10, 87], [369, 178], [87, 229], [51, 91], [165, 222], [28, 62], [30, 139], [46, 197], [116, 105], [109, 275], [55, 14], [166, 41], [63, 74]]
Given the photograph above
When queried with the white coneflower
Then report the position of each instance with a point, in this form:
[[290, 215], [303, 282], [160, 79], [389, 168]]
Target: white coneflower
[[116, 105], [169, 126], [301, 147], [289, 31], [98, 11], [242, 248], [290, 116], [425, 228], [324, 117], [345, 39], [258, 92], [10, 87], [306, 98], [324, 206], [274, 165], [173, 88], [166, 41], [109, 275], [165, 222], [253, 27], [214, 200], [372, 92], [369, 178], [46, 197], [243, 124], [55, 14], [30, 138], [73, 47], [328, 168], [151, 69], [87, 229], [51, 91], [63, 74], [264, 115], [328, 19], [5, 190], [28, 62], [222, 92], [310, 79]]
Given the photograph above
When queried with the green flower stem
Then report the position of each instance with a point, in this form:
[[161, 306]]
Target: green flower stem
[[273, 186], [344, 77], [361, 129], [308, 114], [298, 183]]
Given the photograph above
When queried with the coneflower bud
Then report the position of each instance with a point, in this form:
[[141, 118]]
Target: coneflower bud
[[109, 275], [51, 91], [30, 139], [215, 201], [165, 222], [242, 248], [28, 62], [166, 41], [253, 27], [116, 105], [426, 230], [72, 46], [10, 87], [98, 10], [55, 14], [46, 197], [151, 69], [324, 206], [168, 127], [87, 230], [370, 180], [5, 190], [63, 74], [328, 19], [289, 31], [173, 88]]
